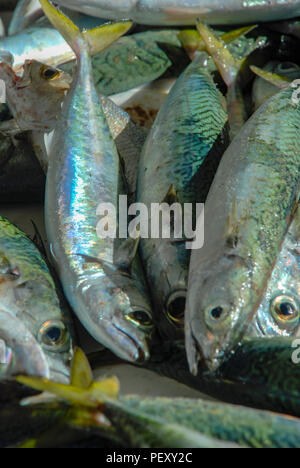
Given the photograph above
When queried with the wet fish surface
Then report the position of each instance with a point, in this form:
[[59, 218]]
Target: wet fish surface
[[248, 212], [34, 326], [177, 165], [110, 303], [180, 12]]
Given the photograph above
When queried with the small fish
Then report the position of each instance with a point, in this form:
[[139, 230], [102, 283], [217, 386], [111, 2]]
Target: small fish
[[84, 170], [36, 328], [44, 43], [261, 373], [180, 12], [178, 161], [97, 405], [262, 90], [23, 95], [248, 213], [35, 99], [236, 424], [279, 311], [20, 351]]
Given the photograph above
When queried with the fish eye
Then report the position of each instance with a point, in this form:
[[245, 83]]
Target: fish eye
[[140, 318], [285, 310], [53, 335], [216, 315], [287, 66], [176, 308], [49, 73]]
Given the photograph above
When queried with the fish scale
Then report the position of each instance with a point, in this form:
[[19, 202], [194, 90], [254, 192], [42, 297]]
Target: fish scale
[[252, 199], [179, 12], [84, 173], [189, 134], [29, 297]]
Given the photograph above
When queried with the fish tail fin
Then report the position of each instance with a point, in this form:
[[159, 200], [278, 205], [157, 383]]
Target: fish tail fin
[[192, 41], [280, 82], [97, 39], [227, 65]]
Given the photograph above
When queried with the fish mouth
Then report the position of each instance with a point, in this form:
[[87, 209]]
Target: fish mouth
[[137, 350], [175, 307]]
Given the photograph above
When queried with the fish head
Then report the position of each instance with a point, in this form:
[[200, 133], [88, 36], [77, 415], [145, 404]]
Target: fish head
[[20, 353], [217, 305], [121, 319], [42, 314], [45, 77]]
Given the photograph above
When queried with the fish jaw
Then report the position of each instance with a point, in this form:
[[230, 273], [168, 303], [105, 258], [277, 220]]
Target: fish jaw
[[27, 355]]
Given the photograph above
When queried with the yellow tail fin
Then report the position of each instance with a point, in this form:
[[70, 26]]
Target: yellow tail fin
[[281, 82], [192, 41], [97, 39], [216, 47]]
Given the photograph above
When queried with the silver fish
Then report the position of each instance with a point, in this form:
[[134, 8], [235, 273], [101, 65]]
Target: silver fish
[[279, 311], [36, 324], [83, 172], [43, 43], [181, 153], [19, 350], [248, 213], [180, 12]]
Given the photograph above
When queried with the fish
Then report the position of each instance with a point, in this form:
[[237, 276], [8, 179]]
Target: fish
[[248, 213], [24, 92], [262, 90], [231, 423], [279, 311], [132, 61], [261, 373], [97, 405], [47, 85], [41, 335], [19, 350], [182, 12], [97, 277], [177, 165], [43, 43], [116, 413]]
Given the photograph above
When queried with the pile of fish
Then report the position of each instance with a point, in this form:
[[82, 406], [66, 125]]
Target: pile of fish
[[203, 109]]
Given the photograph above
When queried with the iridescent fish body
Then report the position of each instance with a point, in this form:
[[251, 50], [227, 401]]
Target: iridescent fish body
[[279, 311], [247, 215], [84, 171], [36, 332], [178, 162], [180, 12]]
